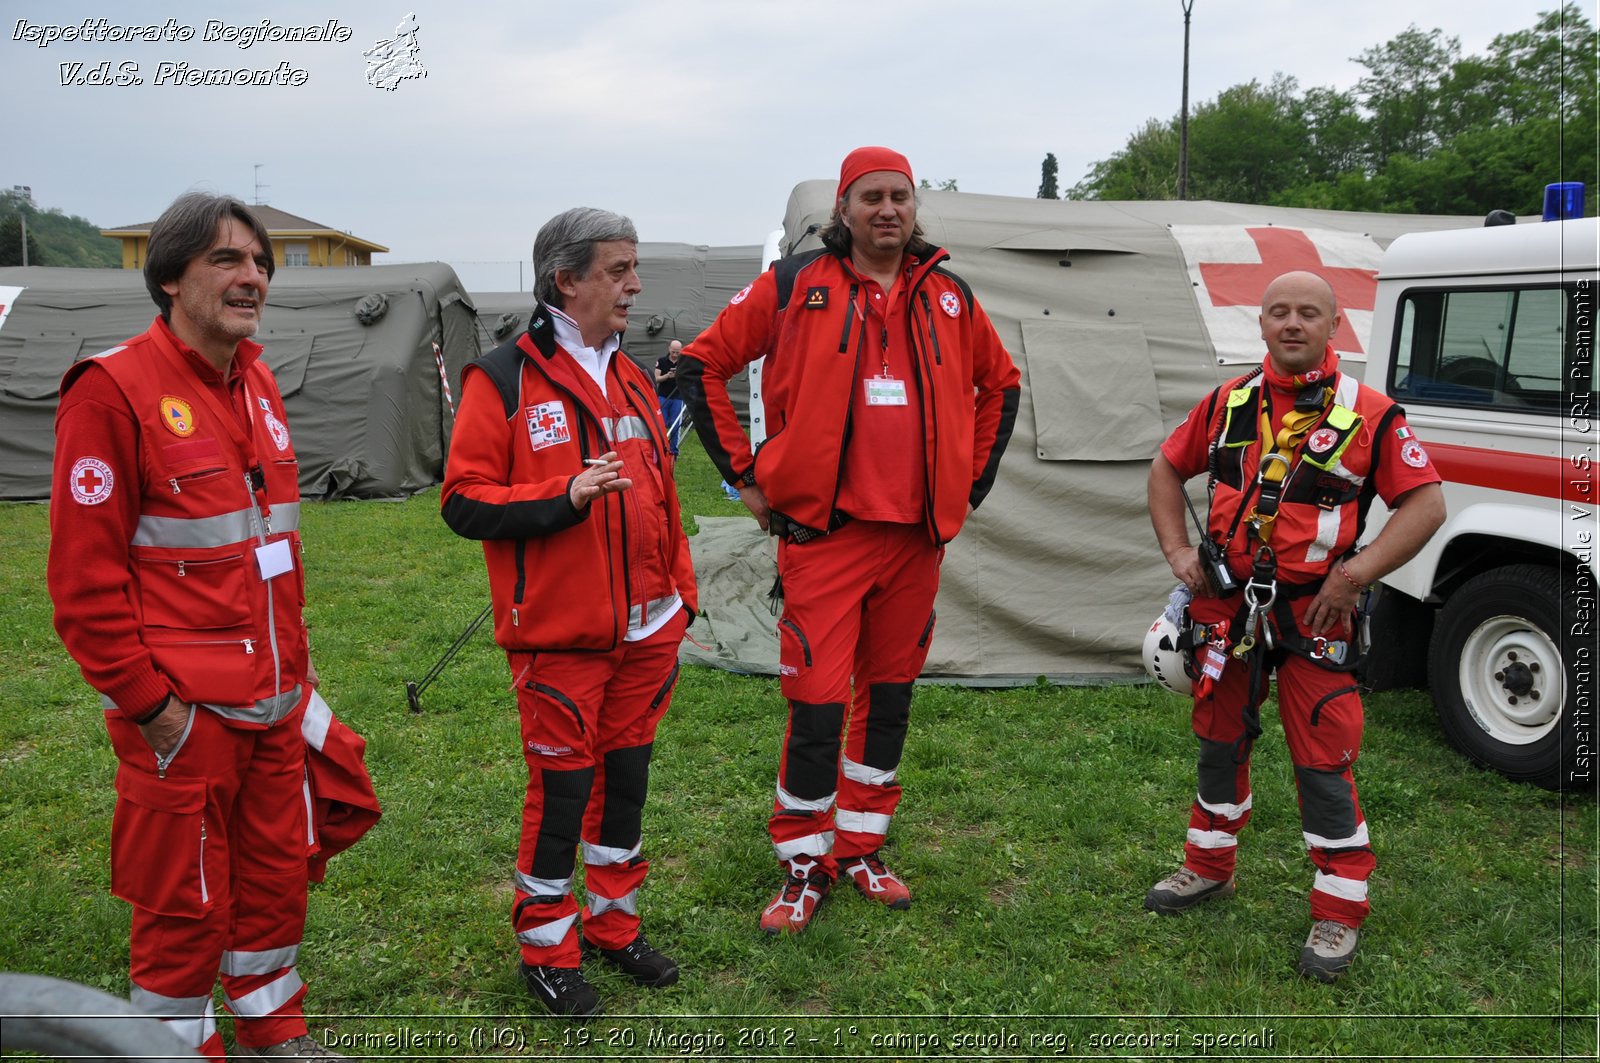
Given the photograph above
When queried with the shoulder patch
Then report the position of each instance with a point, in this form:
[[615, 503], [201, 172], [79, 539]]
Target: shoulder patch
[[1412, 454], [91, 481], [743, 292], [950, 303]]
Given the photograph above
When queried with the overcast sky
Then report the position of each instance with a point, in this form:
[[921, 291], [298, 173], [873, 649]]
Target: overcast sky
[[694, 117]]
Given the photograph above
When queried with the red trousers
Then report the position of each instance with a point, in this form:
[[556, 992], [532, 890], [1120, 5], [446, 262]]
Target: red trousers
[[212, 856], [588, 724], [1322, 722], [857, 621]]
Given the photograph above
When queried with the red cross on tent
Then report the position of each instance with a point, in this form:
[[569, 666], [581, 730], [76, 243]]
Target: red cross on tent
[[1282, 250]]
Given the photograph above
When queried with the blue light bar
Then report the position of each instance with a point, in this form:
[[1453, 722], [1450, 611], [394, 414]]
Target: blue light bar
[[1563, 200]]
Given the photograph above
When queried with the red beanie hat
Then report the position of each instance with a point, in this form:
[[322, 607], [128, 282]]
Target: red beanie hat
[[871, 160]]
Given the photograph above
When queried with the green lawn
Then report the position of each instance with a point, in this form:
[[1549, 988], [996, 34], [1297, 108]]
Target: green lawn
[[1035, 819]]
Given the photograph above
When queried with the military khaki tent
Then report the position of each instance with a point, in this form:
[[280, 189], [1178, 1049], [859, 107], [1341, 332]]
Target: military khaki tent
[[1121, 316], [361, 355]]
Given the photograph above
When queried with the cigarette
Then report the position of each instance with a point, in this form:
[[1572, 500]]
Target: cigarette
[[595, 461]]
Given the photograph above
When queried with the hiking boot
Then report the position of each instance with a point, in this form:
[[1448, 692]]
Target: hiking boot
[[639, 960], [877, 882], [303, 1047], [1329, 950], [1184, 889], [563, 990], [791, 910]]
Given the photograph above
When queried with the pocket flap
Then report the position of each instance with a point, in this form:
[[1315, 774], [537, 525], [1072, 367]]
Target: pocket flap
[[172, 794]]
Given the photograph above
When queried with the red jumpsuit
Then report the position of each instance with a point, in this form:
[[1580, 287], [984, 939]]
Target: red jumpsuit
[[1320, 708], [175, 569], [566, 588], [853, 373]]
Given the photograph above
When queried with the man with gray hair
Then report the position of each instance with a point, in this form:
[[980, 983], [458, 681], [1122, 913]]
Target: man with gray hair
[[560, 465]]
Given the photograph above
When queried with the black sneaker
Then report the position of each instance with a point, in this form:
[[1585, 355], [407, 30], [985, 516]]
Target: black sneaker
[[563, 990], [639, 960]]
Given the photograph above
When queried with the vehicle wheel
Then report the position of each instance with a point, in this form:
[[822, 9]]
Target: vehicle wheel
[[1499, 682]]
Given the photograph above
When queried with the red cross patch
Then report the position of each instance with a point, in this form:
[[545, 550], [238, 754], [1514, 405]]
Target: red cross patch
[[91, 481], [950, 303], [547, 425], [1322, 440]]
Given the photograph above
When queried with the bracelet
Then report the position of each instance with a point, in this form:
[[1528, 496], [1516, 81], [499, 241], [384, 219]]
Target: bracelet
[[1349, 578]]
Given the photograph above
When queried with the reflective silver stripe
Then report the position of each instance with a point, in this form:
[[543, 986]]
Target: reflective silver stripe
[[1212, 839], [552, 933], [866, 776], [196, 532], [819, 844], [311, 809], [605, 856], [790, 803], [1356, 840], [1350, 889], [544, 887], [220, 530], [622, 428], [191, 1019], [164, 1007], [268, 999], [861, 822], [598, 904], [1328, 523], [263, 962], [650, 612], [314, 725], [267, 710], [1226, 811]]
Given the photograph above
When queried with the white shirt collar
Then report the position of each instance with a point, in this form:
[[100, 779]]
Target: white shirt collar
[[594, 360]]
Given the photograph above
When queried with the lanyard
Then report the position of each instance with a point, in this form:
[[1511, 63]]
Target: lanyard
[[1278, 454]]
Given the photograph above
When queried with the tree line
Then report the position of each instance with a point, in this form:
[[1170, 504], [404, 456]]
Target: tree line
[[1426, 130], [53, 238]]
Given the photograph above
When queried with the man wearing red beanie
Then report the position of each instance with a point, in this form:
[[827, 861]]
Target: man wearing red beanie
[[872, 349]]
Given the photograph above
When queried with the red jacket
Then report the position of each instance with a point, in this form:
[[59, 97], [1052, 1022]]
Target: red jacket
[[812, 341], [155, 530], [560, 579], [1360, 448]]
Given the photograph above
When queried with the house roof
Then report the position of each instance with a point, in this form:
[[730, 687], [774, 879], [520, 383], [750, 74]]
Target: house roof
[[279, 223]]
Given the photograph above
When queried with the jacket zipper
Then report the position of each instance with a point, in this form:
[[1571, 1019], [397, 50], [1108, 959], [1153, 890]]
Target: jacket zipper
[[805, 647], [205, 894]]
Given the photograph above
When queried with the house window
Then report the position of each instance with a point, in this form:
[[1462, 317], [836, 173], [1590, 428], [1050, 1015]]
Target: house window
[[297, 254]]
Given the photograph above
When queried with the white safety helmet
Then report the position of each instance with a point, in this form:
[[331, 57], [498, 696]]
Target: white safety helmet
[[1162, 658]]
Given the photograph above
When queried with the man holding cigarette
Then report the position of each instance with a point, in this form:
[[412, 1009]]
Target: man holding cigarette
[[890, 400], [560, 465]]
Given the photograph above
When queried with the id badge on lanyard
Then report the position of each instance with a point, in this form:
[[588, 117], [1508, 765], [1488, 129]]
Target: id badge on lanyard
[[885, 390]]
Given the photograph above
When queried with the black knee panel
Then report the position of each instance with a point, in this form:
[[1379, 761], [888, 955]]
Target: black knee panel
[[888, 716], [1327, 803], [812, 759], [566, 795], [627, 782], [1219, 775]]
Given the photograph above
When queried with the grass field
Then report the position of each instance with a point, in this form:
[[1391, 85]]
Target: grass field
[[1034, 820]]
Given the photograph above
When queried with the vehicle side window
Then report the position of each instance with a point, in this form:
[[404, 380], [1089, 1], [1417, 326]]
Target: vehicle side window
[[1494, 348]]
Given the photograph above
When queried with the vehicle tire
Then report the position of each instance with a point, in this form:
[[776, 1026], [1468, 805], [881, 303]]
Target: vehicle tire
[[1500, 685]]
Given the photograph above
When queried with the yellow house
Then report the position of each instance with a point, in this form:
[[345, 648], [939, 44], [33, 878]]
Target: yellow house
[[295, 242]]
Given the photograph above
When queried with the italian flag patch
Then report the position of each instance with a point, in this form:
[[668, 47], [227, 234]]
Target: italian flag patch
[[1402, 432]]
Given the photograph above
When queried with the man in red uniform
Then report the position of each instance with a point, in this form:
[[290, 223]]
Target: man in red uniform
[[175, 571], [560, 465], [1296, 450], [890, 400]]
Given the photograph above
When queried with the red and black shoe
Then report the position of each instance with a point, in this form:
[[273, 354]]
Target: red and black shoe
[[791, 910], [876, 881]]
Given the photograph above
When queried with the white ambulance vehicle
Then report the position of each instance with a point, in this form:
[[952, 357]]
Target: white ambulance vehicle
[[1486, 337]]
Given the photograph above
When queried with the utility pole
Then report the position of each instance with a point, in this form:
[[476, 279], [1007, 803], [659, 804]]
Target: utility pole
[[1183, 122], [22, 216]]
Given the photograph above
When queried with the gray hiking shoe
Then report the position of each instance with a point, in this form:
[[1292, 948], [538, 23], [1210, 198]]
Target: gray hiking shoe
[[303, 1047], [1329, 950], [1184, 889]]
